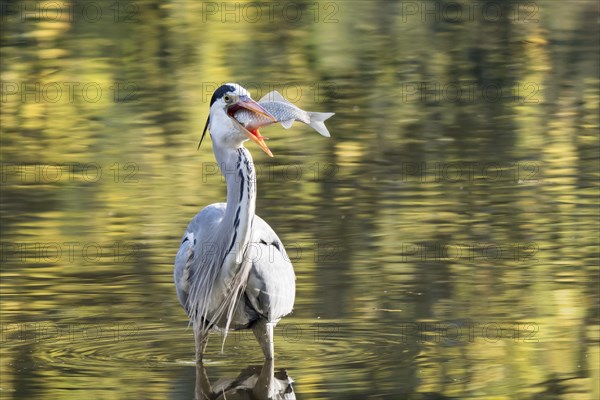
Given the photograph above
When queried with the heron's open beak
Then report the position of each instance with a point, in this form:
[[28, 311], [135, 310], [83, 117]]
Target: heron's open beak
[[251, 105]]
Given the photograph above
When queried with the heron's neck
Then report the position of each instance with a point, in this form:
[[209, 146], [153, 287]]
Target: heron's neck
[[238, 169]]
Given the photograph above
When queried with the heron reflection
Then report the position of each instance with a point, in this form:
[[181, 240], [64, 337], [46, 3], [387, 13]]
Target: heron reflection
[[252, 383]]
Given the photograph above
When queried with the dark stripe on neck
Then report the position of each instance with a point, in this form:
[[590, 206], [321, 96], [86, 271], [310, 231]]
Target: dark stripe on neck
[[236, 220]]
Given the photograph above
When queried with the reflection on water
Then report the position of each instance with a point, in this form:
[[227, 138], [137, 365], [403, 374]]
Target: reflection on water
[[444, 239], [253, 382]]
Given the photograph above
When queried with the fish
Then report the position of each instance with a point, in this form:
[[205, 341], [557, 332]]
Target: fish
[[284, 112]]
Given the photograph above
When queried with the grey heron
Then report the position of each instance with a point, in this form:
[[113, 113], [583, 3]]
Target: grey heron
[[232, 271]]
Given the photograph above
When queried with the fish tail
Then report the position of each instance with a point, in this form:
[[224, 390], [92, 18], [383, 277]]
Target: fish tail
[[317, 122]]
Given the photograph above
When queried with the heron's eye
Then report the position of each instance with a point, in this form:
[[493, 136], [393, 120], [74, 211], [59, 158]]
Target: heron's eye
[[227, 98]]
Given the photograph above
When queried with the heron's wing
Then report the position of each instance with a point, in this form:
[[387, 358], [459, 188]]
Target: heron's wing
[[190, 267], [183, 261], [271, 287]]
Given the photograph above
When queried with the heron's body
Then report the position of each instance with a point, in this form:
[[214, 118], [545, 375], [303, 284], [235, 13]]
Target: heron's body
[[270, 287], [231, 270]]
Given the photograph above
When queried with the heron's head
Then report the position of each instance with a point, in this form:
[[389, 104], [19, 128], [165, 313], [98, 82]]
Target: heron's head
[[226, 130]]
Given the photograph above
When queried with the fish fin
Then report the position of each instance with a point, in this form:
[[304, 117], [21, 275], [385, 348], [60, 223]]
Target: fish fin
[[273, 95], [317, 122], [287, 124]]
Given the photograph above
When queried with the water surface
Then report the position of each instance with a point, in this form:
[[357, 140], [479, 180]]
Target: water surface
[[445, 239]]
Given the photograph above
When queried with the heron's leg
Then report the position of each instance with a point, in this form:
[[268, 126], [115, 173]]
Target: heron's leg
[[265, 384], [203, 387], [201, 342], [263, 331]]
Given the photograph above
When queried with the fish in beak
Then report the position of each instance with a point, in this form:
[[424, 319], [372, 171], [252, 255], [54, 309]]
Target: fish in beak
[[252, 106]]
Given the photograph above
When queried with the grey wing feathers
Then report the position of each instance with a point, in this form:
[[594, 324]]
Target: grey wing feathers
[[186, 263], [183, 260], [271, 284]]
